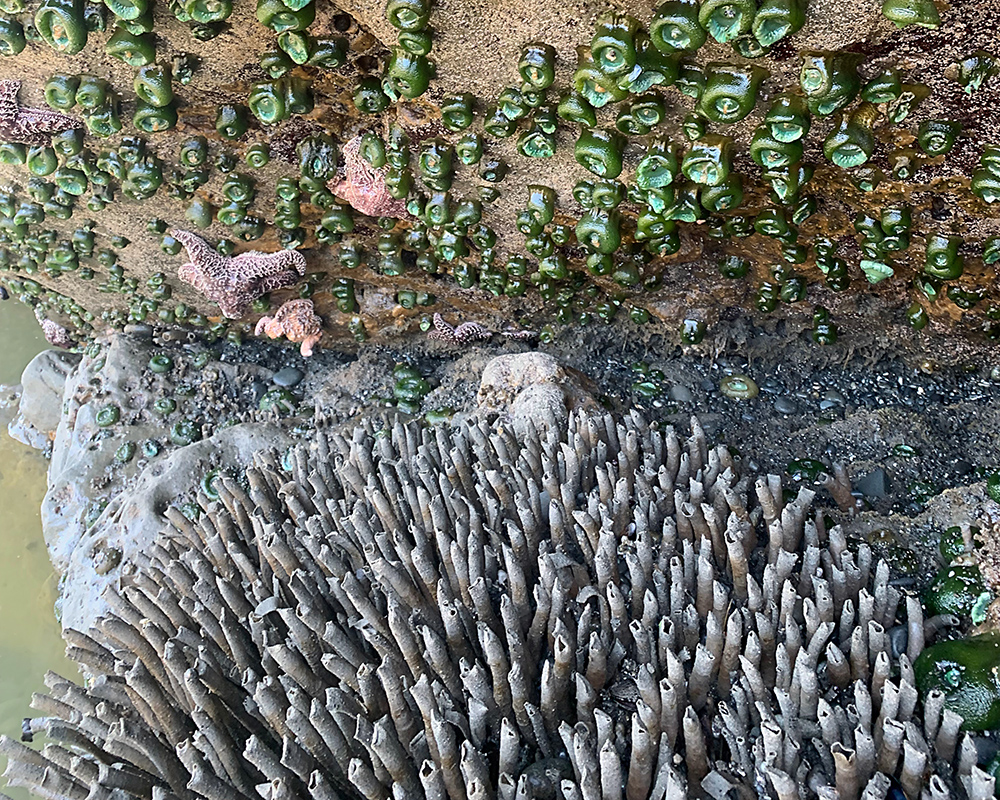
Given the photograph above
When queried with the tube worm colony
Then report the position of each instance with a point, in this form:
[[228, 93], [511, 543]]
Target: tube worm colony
[[598, 610]]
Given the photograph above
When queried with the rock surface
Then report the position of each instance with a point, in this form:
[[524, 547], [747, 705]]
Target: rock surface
[[42, 386]]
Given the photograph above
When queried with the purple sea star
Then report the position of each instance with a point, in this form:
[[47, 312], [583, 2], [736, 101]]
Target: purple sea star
[[28, 125], [234, 282], [364, 186], [466, 333], [518, 335]]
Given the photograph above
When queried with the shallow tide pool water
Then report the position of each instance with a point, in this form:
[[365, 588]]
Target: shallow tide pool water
[[30, 643]]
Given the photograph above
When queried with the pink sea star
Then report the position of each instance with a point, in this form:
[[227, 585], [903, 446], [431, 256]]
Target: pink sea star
[[234, 282], [55, 334], [28, 125], [466, 333], [364, 186], [297, 321]]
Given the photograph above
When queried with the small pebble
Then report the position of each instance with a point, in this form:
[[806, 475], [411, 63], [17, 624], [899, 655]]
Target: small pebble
[[874, 485], [288, 377], [785, 405], [681, 394], [771, 385]]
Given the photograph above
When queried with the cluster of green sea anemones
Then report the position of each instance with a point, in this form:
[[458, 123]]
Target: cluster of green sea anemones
[[621, 223]]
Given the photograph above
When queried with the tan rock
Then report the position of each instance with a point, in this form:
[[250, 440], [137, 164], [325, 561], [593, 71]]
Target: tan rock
[[533, 389]]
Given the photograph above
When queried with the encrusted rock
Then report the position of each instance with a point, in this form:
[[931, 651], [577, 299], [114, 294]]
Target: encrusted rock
[[555, 389]]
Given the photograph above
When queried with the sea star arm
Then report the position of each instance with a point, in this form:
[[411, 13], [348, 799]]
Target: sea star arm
[[306, 348], [262, 326], [262, 265], [203, 258], [8, 103], [234, 282], [28, 125]]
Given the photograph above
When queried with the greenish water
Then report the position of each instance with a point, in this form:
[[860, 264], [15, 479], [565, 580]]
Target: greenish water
[[30, 642]]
